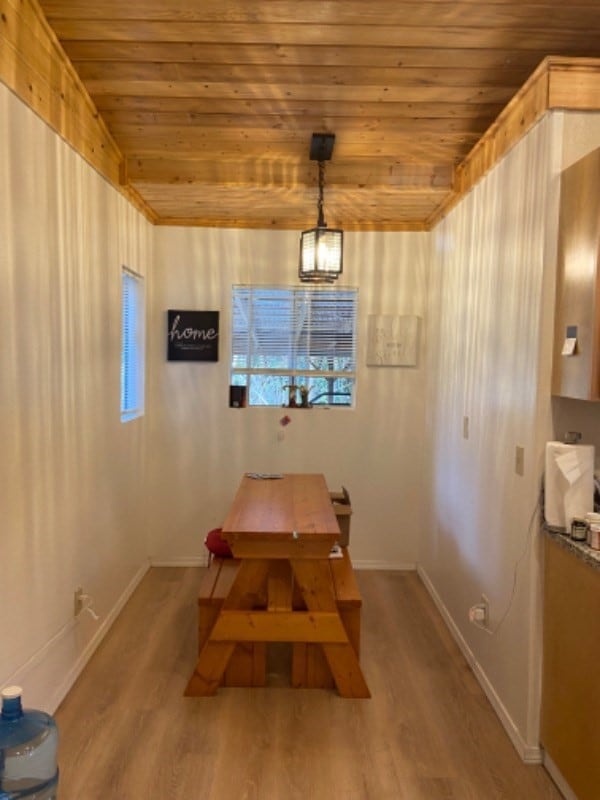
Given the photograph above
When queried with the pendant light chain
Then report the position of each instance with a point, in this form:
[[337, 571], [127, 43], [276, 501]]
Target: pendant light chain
[[321, 222]]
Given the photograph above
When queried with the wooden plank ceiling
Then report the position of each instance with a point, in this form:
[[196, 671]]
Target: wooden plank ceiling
[[213, 102]]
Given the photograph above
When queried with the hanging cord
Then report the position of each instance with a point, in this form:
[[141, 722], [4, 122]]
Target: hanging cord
[[529, 537], [321, 221]]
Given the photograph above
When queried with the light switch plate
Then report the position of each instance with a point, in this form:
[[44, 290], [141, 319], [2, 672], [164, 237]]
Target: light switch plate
[[520, 460]]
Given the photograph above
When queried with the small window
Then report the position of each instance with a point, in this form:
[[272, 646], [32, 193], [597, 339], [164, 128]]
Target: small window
[[299, 337], [132, 346]]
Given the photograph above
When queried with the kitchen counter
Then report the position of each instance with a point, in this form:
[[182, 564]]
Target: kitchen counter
[[578, 549]]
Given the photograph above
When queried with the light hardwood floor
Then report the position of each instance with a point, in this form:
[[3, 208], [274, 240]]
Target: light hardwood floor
[[428, 733]]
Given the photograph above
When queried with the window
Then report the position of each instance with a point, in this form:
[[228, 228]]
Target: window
[[300, 337], [132, 345]]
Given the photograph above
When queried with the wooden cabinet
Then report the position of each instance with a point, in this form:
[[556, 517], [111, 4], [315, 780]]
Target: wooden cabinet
[[578, 282], [570, 731]]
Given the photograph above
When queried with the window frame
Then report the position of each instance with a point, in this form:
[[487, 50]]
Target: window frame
[[302, 306], [132, 351]]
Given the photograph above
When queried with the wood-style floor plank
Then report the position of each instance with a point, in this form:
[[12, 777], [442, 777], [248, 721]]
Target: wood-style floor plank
[[428, 733]]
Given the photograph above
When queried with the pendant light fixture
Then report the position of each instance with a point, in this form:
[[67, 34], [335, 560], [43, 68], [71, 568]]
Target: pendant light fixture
[[321, 248]]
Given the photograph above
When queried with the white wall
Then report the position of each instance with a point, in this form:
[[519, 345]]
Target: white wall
[[71, 474], [490, 322], [200, 447]]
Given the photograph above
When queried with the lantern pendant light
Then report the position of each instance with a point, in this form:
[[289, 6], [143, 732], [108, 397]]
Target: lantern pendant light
[[321, 248]]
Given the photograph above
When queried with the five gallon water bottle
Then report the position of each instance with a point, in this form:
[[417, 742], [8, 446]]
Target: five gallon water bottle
[[28, 744]]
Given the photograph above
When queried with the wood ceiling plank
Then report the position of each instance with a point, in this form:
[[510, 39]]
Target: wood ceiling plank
[[303, 92], [93, 72], [299, 55], [449, 148], [315, 12], [198, 138], [245, 221], [272, 173], [141, 30], [290, 216], [248, 127], [298, 109], [305, 197]]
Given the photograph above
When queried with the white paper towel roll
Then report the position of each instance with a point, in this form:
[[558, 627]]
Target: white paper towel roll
[[568, 484]]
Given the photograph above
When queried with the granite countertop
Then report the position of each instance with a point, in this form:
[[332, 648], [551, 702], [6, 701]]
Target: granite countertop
[[579, 549]]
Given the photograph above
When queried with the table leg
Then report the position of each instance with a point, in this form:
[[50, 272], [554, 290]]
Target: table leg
[[215, 655], [314, 579]]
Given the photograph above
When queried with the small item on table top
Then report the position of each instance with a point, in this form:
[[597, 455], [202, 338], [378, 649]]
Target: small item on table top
[[264, 476], [336, 552]]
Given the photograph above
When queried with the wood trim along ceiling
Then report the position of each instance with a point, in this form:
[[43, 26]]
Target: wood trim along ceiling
[[201, 113]]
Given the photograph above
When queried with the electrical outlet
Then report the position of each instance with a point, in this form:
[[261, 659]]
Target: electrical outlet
[[520, 460], [485, 603], [78, 602], [479, 614]]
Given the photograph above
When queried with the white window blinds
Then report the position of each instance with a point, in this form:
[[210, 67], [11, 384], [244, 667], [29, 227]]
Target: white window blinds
[[132, 345], [302, 336]]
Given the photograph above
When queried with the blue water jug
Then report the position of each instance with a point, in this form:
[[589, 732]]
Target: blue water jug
[[28, 744]]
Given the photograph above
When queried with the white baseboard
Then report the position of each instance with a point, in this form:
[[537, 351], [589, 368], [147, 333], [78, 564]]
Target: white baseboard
[[529, 753], [396, 566], [202, 561], [50, 673], [558, 779]]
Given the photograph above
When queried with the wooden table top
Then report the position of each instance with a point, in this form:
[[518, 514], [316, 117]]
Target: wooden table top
[[281, 507]]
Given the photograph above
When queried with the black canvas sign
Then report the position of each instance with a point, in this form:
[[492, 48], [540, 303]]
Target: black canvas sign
[[192, 335]]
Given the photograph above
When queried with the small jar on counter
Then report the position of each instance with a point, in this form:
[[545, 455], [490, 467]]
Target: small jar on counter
[[579, 530], [593, 534]]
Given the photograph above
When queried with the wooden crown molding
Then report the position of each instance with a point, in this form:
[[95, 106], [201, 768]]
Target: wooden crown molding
[[571, 84]]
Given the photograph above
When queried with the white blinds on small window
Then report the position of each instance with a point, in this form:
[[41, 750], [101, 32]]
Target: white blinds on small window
[[299, 331], [132, 354]]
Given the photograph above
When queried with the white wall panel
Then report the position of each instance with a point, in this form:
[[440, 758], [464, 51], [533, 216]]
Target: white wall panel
[[490, 330], [71, 474]]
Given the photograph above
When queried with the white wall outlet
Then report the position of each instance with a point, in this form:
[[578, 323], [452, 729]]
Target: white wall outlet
[[485, 603], [479, 614]]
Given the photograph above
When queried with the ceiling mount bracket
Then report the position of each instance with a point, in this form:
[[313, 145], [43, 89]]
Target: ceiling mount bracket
[[321, 146]]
